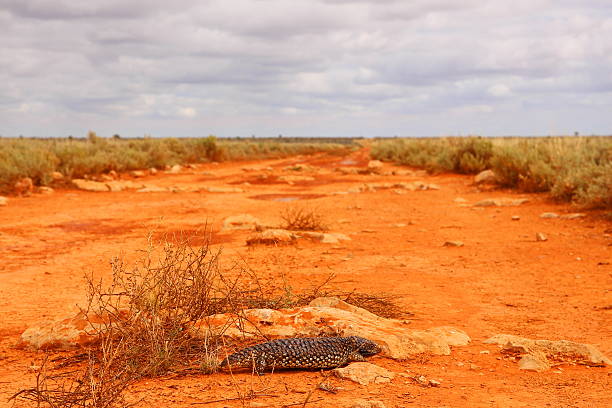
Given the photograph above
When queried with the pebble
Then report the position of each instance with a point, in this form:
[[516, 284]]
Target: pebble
[[541, 237], [515, 218], [453, 244], [549, 215]]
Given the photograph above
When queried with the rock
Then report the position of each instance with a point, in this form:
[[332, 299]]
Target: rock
[[137, 173], [549, 215], [460, 200], [105, 177], [532, 363], [338, 318], [3, 201], [501, 202], [24, 186], [152, 189], [573, 216], [434, 383], [537, 355], [431, 186], [153, 171], [57, 176], [45, 190], [323, 316], [325, 237], [293, 179], [299, 167], [485, 177], [364, 373], [375, 166], [347, 170], [176, 169], [540, 237], [272, 237], [361, 403], [515, 218], [453, 244], [89, 185], [65, 334], [241, 222], [113, 174], [224, 190]]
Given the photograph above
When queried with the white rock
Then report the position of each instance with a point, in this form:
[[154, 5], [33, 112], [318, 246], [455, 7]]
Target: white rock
[[485, 177], [89, 185], [241, 222], [365, 373], [549, 215]]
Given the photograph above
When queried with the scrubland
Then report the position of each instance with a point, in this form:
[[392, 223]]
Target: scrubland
[[574, 169]]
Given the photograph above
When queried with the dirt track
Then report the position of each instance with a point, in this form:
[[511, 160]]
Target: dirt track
[[501, 281]]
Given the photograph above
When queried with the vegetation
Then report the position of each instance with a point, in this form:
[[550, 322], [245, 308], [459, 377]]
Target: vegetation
[[75, 158], [146, 322], [574, 169], [299, 218]]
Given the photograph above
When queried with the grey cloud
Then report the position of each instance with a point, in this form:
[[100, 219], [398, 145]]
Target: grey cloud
[[357, 65]]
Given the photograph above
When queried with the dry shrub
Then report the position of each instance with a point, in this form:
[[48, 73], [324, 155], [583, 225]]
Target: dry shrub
[[298, 218], [144, 320]]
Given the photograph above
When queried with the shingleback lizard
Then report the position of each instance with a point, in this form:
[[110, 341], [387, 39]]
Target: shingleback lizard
[[307, 352]]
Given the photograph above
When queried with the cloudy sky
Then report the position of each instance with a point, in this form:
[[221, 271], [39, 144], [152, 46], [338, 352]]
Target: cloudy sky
[[305, 67]]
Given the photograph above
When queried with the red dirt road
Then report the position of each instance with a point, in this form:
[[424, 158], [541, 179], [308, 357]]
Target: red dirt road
[[501, 281]]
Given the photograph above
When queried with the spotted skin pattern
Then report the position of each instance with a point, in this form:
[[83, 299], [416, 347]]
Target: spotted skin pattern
[[307, 353]]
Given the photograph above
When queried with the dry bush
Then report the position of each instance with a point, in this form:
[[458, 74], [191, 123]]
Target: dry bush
[[144, 320], [298, 218]]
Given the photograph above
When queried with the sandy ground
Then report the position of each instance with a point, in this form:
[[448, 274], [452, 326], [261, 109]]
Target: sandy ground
[[501, 281]]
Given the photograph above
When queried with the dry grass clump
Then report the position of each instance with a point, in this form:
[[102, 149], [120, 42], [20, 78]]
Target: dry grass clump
[[299, 218], [144, 320]]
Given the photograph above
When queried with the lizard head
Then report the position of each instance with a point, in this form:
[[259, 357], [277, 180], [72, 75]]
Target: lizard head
[[365, 347]]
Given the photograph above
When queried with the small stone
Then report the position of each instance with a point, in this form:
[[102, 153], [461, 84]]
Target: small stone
[[57, 176], [175, 169], [45, 190], [485, 177], [89, 185], [153, 171], [453, 244], [137, 173], [365, 373], [515, 218], [549, 215], [241, 222], [434, 383], [540, 237], [460, 200], [532, 363], [3, 201], [224, 190], [361, 403], [474, 366], [459, 364], [485, 352], [573, 216], [375, 166]]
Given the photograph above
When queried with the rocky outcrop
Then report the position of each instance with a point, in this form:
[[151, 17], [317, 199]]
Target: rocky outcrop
[[89, 185], [323, 316], [541, 355], [331, 316]]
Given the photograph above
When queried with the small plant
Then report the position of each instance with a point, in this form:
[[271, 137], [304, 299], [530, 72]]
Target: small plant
[[297, 218]]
